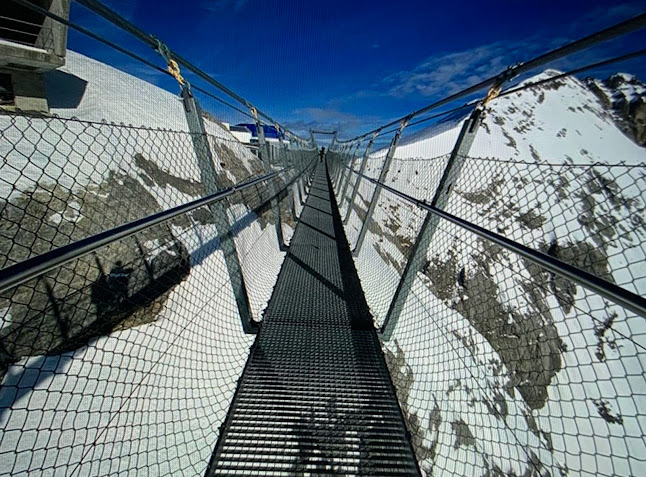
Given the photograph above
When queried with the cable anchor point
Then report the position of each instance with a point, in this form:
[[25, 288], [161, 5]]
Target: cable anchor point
[[500, 80], [171, 64]]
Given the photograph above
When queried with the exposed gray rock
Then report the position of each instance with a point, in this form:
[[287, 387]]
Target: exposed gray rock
[[603, 408], [463, 435], [403, 377], [628, 111], [124, 284], [527, 343]]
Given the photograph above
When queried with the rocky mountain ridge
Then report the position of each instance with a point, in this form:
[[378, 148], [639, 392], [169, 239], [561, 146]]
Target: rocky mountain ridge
[[625, 95]]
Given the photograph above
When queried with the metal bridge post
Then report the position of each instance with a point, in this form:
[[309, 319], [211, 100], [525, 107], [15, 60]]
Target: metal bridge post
[[417, 256], [340, 170], [283, 157], [299, 183], [333, 141], [342, 164], [265, 150], [337, 166], [286, 160], [223, 227], [347, 179], [313, 139], [375, 195], [362, 169]]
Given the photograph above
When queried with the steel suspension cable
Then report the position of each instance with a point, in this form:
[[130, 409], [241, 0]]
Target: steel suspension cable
[[28, 269], [116, 47], [617, 59], [611, 291], [592, 66], [612, 32], [117, 20]]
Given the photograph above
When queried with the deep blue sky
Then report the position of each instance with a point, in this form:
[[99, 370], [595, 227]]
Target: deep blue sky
[[348, 64]]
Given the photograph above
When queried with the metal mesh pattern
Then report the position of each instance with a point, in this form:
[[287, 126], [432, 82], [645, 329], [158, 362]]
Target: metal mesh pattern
[[606, 211], [60, 173], [315, 397], [126, 360], [503, 367], [478, 250]]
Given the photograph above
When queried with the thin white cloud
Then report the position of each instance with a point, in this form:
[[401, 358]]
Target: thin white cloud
[[450, 72], [331, 119]]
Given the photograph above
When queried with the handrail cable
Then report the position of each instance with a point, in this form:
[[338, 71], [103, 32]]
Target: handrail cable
[[114, 46], [314, 131], [610, 33], [152, 41], [26, 270], [512, 90], [615, 293], [592, 66]]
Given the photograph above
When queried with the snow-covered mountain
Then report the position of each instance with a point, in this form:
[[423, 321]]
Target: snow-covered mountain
[[161, 381], [625, 95], [504, 369], [501, 368]]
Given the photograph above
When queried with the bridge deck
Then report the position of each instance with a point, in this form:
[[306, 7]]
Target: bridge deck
[[315, 396]]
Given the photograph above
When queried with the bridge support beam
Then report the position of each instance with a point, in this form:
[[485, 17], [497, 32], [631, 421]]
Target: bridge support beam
[[313, 139], [338, 168], [209, 179], [377, 192], [341, 170], [417, 256], [347, 172]]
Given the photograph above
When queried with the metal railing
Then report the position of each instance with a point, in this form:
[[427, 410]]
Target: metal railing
[[113, 240], [26, 33], [130, 285], [135, 264], [113, 246], [506, 284]]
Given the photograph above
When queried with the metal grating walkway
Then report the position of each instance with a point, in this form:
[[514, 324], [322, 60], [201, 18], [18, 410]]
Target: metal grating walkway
[[315, 397]]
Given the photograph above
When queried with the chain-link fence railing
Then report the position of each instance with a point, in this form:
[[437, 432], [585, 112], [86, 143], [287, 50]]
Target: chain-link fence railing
[[503, 365], [125, 359]]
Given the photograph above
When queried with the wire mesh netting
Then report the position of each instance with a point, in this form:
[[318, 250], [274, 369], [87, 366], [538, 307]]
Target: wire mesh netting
[[125, 360], [503, 367], [129, 359]]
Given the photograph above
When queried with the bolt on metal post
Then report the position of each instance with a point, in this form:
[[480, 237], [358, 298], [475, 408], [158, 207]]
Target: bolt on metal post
[[377, 192]]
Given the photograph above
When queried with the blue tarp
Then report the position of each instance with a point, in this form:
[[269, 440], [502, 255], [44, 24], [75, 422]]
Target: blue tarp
[[270, 131]]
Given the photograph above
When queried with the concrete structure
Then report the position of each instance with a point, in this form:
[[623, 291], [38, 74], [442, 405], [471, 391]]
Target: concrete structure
[[241, 133], [31, 44]]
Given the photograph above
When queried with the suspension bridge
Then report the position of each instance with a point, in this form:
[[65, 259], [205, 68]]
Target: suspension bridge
[[175, 304]]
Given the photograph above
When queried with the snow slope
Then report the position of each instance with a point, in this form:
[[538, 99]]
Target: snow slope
[[502, 369], [64, 151], [146, 400]]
